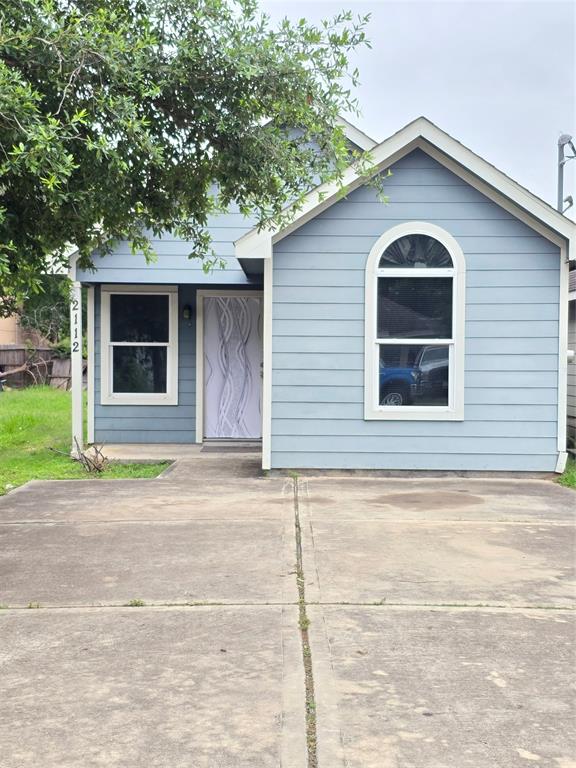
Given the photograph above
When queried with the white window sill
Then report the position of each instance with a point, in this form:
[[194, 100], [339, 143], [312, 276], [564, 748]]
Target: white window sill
[[408, 413], [135, 399]]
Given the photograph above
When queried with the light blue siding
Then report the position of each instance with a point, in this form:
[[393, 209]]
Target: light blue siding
[[337, 361], [338, 412], [145, 423], [476, 311], [172, 265], [533, 396], [170, 423], [511, 361], [515, 262], [491, 244], [153, 423], [357, 459]]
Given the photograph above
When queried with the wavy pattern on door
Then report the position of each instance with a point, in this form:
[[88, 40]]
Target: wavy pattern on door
[[232, 366]]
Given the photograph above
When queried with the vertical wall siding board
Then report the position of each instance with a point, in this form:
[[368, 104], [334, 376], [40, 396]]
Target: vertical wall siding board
[[511, 335]]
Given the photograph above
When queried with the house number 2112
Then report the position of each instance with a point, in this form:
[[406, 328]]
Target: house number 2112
[[75, 325]]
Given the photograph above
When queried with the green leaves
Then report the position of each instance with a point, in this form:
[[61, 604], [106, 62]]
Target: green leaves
[[127, 116]]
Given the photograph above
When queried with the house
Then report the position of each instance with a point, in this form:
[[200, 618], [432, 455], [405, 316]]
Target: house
[[425, 333], [13, 334], [572, 368], [20, 346], [10, 331]]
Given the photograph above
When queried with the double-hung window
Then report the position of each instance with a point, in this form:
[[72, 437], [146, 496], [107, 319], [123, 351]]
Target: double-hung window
[[415, 325], [139, 354]]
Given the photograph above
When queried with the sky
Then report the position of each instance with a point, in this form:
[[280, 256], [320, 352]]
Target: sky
[[499, 76]]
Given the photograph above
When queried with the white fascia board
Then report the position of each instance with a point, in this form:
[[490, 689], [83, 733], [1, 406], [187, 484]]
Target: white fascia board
[[355, 135], [72, 261], [322, 197], [258, 246], [502, 183], [424, 134]]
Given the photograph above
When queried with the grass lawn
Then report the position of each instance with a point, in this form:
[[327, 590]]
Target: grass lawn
[[569, 477], [32, 421]]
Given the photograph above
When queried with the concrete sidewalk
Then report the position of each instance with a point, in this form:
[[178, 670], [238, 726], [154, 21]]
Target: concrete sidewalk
[[441, 621]]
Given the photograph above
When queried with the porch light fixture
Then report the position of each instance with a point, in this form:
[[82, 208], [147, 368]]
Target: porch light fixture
[[187, 312]]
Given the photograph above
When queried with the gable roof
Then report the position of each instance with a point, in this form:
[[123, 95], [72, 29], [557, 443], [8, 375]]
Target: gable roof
[[423, 134]]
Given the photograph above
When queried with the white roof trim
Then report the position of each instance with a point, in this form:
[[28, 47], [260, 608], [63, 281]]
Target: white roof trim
[[355, 135], [450, 152]]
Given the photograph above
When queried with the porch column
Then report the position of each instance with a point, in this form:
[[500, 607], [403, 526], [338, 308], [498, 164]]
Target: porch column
[[76, 366], [90, 319], [267, 367]]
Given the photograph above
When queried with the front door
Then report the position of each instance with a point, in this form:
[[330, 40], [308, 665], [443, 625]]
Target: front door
[[233, 367]]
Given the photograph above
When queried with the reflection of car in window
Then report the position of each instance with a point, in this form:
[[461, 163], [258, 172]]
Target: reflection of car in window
[[425, 382]]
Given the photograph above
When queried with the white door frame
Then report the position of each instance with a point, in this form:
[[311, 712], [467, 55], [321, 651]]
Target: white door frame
[[200, 296]]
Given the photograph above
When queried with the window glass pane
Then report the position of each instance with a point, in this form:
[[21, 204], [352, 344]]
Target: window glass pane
[[417, 307], [411, 374], [418, 251], [139, 369], [138, 317]]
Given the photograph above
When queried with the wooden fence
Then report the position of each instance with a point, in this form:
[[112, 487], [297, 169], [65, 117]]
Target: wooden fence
[[40, 367]]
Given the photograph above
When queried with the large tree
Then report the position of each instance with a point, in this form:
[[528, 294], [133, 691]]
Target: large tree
[[121, 116]]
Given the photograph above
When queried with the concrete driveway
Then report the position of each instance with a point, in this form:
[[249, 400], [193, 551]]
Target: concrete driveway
[[215, 619]]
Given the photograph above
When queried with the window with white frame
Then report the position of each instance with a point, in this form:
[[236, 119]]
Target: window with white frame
[[415, 325], [139, 345]]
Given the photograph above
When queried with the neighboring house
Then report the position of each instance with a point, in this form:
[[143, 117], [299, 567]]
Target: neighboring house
[[572, 365], [426, 333], [12, 334], [10, 331]]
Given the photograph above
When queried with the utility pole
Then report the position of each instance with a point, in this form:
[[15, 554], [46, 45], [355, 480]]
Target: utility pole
[[562, 160]]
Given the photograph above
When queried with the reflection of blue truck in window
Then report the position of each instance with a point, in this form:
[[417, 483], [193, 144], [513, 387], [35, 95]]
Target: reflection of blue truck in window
[[423, 383]]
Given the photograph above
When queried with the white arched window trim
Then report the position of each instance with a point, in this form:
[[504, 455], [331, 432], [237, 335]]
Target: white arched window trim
[[455, 409]]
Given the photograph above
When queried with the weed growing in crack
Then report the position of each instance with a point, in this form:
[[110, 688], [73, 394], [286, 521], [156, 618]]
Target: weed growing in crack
[[304, 621], [304, 624]]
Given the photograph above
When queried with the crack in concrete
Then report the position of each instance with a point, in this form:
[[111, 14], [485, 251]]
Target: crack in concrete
[[492, 606], [304, 623], [512, 607], [135, 521]]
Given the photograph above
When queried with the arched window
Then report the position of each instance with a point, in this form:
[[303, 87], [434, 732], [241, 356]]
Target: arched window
[[415, 282]]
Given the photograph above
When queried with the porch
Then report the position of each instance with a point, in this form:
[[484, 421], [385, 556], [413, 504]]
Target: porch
[[172, 366], [135, 452]]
